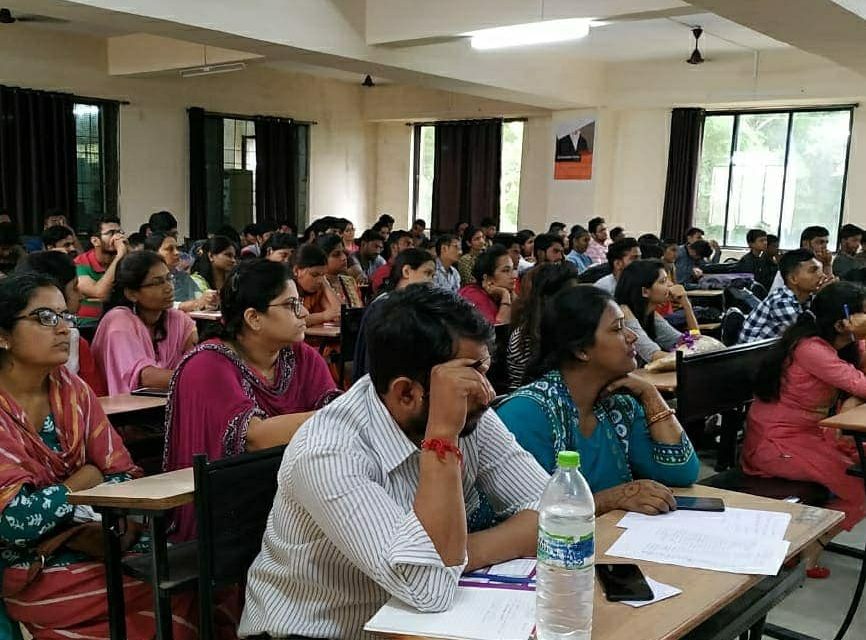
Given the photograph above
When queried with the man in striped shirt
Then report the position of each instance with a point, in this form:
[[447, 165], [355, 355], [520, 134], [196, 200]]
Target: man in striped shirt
[[375, 490]]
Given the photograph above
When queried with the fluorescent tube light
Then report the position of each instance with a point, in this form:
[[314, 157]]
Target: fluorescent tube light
[[211, 69], [518, 35]]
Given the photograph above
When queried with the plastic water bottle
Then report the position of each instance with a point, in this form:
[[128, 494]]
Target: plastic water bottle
[[565, 577]]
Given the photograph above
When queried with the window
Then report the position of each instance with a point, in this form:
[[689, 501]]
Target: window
[[509, 189], [780, 171], [96, 153]]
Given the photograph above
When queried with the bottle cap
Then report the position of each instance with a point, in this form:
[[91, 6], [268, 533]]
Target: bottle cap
[[568, 459]]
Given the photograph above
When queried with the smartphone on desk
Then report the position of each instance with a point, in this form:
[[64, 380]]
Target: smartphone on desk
[[687, 503], [623, 582], [150, 391]]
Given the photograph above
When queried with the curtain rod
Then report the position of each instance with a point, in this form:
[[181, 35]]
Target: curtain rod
[[826, 107], [64, 93], [235, 116], [463, 121]]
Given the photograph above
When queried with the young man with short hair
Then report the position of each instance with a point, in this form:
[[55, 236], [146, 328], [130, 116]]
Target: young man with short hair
[[419, 226], [755, 261], [376, 490], [817, 240], [694, 234], [597, 249], [558, 229], [620, 254], [398, 242], [369, 256], [548, 248], [803, 276], [850, 237], [579, 240], [447, 254], [690, 260], [96, 267], [511, 244], [59, 238], [488, 227], [163, 222]]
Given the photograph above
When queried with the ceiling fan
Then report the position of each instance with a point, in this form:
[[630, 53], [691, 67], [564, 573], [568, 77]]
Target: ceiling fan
[[6, 17], [696, 57]]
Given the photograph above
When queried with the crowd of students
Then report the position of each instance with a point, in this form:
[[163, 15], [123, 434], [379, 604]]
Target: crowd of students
[[398, 483]]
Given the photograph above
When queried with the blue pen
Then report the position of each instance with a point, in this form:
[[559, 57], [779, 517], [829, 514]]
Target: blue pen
[[848, 318], [497, 578]]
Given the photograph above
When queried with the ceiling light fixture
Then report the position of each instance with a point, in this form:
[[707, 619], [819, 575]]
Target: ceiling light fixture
[[212, 69], [519, 35]]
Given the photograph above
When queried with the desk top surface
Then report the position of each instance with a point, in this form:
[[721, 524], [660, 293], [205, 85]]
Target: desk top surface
[[326, 330], [853, 420], [152, 493], [665, 381], [124, 403]]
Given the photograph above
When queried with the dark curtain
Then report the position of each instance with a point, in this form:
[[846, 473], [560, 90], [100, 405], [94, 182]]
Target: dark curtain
[[276, 170], [197, 174], [110, 151], [37, 155], [684, 154], [467, 166]]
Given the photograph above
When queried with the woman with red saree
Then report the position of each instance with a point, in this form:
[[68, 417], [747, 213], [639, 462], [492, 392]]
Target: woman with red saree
[[253, 387], [54, 439]]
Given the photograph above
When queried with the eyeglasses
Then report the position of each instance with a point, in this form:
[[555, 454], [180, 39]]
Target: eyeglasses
[[159, 282], [293, 304], [112, 232], [50, 317]]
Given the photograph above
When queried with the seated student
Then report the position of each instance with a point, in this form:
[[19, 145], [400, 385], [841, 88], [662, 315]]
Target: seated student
[[369, 256], [398, 241], [337, 271], [136, 241], [818, 361], [280, 247], [474, 242], [617, 233], [252, 239], [511, 244], [690, 260], [695, 234], [413, 266], [579, 239], [669, 257], [446, 275], [54, 439], [584, 399], [142, 338], [526, 239], [315, 291], [815, 239], [489, 228], [620, 254], [773, 252], [60, 267], [268, 379], [418, 231], [756, 261], [850, 238], [558, 229], [803, 276], [493, 295], [346, 231], [548, 248], [96, 266], [643, 289], [547, 280], [597, 248], [164, 223], [187, 295], [62, 239], [11, 251], [211, 269], [361, 514]]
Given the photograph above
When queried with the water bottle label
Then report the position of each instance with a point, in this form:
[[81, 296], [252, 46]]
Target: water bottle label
[[566, 552]]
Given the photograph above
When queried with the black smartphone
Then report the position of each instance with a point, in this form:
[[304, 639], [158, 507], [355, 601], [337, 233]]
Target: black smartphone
[[623, 582], [150, 391], [685, 503]]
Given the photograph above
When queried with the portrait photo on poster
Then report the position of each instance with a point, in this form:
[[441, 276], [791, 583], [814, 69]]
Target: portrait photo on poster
[[573, 151]]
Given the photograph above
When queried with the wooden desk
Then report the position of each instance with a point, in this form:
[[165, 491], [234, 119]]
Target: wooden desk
[[327, 330], [127, 403], [664, 381], [853, 420], [212, 316], [152, 493]]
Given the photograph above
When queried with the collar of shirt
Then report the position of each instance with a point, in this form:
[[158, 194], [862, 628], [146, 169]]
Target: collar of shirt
[[393, 447]]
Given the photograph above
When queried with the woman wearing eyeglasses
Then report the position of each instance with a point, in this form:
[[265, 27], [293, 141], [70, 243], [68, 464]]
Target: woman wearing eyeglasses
[[54, 439], [251, 388], [142, 338]]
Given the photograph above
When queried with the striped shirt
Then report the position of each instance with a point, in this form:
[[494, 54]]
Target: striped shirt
[[342, 536]]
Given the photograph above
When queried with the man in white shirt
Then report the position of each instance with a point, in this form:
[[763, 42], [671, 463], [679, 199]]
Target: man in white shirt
[[375, 490], [620, 254]]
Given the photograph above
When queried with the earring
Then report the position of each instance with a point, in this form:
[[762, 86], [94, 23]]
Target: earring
[[583, 357]]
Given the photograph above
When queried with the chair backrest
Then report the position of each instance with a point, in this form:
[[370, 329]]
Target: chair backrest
[[732, 326], [709, 383], [498, 373], [350, 327], [233, 498]]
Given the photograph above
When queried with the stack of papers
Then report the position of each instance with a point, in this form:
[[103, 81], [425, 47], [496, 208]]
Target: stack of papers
[[735, 540]]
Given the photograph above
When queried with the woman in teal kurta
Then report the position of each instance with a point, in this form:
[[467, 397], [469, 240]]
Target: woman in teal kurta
[[582, 369]]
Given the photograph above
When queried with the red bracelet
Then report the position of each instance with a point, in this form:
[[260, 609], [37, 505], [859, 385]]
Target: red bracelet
[[441, 447]]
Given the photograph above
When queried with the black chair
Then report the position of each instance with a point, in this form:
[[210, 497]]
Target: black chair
[[732, 325], [233, 498], [350, 328], [498, 373], [595, 273]]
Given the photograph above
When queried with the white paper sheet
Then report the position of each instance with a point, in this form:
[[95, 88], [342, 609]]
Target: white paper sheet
[[519, 568], [746, 523], [477, 614], [714, 549], [661, 591]]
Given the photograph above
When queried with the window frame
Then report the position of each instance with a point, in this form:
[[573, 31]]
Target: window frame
[[790, 112], [109, 160]]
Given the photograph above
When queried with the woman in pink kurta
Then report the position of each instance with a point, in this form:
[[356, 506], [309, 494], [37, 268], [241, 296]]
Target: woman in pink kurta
[[141, 339], [253, 387], [818, 362]]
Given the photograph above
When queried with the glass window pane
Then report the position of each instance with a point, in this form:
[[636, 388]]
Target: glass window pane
[[816, 168], [425, 178], [758, 172], [509, 186], [713, 175]]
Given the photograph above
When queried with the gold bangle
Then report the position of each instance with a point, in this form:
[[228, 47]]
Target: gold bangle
[[661, 415]]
